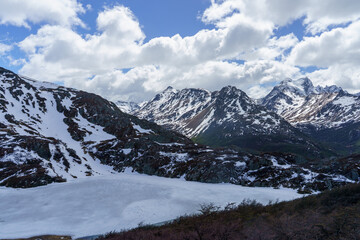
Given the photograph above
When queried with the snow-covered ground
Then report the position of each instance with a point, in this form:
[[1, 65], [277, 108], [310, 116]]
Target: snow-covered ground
[[97, 205]]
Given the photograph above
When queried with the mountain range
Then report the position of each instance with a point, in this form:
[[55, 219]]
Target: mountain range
[[227, 118], [295, 117], [50, 133]]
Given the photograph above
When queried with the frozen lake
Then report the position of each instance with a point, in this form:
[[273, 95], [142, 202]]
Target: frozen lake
[[98, 205]]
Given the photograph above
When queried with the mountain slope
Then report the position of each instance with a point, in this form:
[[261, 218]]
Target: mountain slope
[[174, 109], [59, 130], [58, 133], [328, 114], [226, 117]]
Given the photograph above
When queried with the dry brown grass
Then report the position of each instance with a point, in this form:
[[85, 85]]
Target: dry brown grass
[[333, 214]]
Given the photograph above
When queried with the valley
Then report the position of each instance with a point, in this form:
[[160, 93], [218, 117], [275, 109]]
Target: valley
[[92, 154]]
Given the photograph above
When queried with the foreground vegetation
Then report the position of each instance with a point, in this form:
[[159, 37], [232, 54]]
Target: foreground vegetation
[[333, 214]]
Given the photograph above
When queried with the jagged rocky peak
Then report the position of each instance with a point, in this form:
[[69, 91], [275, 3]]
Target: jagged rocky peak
[[170, 90], [231, 92], [172, 107], [305, 87], [301, 86], [194, 92], [166, 94], [328, 89], [171, 99], [231, 99], [290, 95], [189, 96]]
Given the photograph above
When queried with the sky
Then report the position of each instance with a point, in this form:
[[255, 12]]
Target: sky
[[130, 50]]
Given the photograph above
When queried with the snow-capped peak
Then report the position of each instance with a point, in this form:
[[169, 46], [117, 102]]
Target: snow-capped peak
[[299, 102], [170, 89], [233, 92], [127, 107], [165, 95], [302, 86]]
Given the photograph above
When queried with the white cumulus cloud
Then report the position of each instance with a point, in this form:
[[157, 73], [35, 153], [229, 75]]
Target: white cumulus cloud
[[24, 12], [238, 48], [318, 14], [93, 62]]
